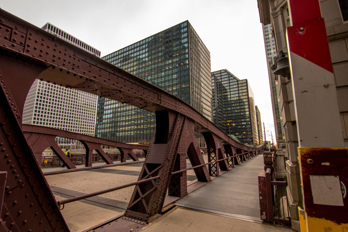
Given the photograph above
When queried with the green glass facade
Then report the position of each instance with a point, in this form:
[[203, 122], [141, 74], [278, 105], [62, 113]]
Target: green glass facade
[[175, 60], [234, 107], [259, 125]]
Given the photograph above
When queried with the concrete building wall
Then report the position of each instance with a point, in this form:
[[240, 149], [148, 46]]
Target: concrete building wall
[[276, 12]]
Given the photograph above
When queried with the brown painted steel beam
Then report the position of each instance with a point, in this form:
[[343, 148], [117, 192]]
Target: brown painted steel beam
[[44, 56], [28, 53], [29, 204], [33, 129]]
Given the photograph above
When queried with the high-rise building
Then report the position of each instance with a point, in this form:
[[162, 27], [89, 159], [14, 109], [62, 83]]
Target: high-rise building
[[234, 106], [175, 60], [274, 84], [69, 38], [58, 107], [259, 125]]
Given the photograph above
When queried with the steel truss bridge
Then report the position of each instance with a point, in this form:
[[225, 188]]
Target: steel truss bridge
[[26, 201]]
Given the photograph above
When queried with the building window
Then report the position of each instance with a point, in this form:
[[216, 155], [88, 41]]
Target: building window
[[344, 9]]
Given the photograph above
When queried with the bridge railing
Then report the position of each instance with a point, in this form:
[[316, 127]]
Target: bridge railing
[[272, 208], [28, 53], [239, 157]]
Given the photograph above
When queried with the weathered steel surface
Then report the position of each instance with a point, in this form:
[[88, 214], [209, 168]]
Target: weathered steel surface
[[322, 198], [148, 198], [28, 53], [28, 201], [46, 57], [40, 138]]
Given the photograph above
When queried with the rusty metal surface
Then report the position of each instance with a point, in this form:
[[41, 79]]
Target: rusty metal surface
[[27, 51], [28, 201], [40, 138], [148, 198], [57, 61], [267, 191], [325, 162]]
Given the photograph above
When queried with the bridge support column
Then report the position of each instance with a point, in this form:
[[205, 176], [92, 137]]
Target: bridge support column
[[124, 152], [173, 136], [212, 149], [229, 153], [26, 189], [148, 198], [39, 143], [90, 147]]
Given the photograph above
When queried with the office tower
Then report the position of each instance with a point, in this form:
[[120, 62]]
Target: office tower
[[58, 107], [175, 60], [274, 84], [234, 106], [69, 38], [259, 125]]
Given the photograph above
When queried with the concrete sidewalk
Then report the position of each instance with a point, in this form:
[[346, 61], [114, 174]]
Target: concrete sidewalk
[[182, 219]]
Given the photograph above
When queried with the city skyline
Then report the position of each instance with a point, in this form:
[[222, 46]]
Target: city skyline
[[231, 31]]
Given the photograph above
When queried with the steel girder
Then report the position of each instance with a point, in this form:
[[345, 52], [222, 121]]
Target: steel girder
[[173, 140], [29, 53], [28, 203], [40, 138]]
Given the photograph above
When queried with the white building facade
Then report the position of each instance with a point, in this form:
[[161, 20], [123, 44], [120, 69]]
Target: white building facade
[[55, 106]]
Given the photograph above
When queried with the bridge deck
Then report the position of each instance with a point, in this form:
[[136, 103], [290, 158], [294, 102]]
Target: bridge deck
[[233, 194], [220, 204]]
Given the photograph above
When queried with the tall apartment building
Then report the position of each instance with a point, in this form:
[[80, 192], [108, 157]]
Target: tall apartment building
[[234, 107], [58, 107], [175, 60], [271, 53], [259, 125]]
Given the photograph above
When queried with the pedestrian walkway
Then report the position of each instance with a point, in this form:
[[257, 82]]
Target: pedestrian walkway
[[181, 219], [228, 203], [234, 194]]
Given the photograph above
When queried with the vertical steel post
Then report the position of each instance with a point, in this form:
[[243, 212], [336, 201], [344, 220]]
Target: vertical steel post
[[318, 120]]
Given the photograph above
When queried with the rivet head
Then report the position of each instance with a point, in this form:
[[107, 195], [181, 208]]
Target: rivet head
[[310, 161]]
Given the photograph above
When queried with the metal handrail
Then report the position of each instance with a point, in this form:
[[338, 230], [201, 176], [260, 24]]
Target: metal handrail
[[73, 199], [61, 203]]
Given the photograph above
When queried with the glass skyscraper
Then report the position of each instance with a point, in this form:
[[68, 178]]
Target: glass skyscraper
[[234, 107], [259, 125], [175, 60]]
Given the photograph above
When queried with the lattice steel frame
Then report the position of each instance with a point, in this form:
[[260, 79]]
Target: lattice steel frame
[[28, 53]]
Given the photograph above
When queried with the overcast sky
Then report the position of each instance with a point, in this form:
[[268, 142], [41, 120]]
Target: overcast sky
[[230, 29]]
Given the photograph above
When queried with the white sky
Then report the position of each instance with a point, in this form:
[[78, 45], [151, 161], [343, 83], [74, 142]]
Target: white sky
[[230, 29]]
